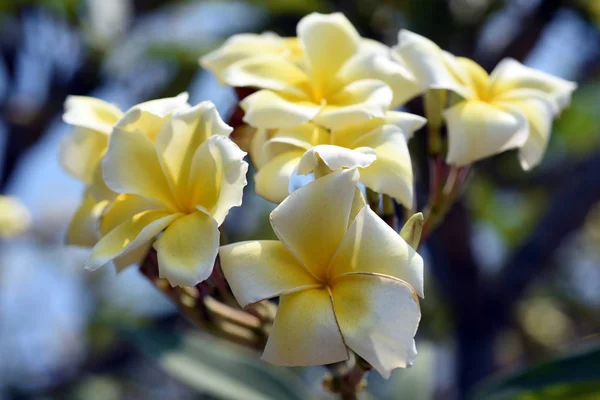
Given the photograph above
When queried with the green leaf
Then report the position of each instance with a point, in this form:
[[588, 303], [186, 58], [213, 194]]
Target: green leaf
[[575, 376], [213, 366]]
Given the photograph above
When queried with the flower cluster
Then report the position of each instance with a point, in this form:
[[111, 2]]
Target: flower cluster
[[165, 174]]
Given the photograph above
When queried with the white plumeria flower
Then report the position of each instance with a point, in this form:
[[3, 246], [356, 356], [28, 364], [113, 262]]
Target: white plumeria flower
[[344, 277], [339, 81], [513, 107], [185, 182]]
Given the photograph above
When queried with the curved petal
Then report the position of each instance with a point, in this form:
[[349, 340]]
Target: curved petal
[[150, 117], [239, 47], [267, 110], [97, 187], [510, 74], [131, 165], [129, 235], [311, 225], [427, 62], [267, 71], [305, 331], [376, 66], [262, 269], [371, 246], [378, 316], [81, 151], [355, 103], [123, 208], [231, 173], [407, 122], [539, 113], [477, 130], [273, 179], [301, 137], [132, 257], [335, 158], [83, 227], [257, 152], [391, 173], [328, 42], [91, 113], [183, 134], [187, 249]]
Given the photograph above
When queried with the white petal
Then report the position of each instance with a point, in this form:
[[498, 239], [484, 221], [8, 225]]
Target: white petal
[[378, 316], [335, 158], [272, 180], [262, 269], [81, 151], [305, 331], [267, 110], [478, 130], [371, 246], [187, 249], [91, 113]]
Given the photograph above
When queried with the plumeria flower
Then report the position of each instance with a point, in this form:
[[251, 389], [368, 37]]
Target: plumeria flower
[[93, 121], [184, 182], [391, 173], [345, 279], [339, 81], [513, 107]]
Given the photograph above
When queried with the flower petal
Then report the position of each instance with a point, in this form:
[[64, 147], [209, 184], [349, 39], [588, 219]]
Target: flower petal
[[187, 249], [268, 71], [177, 143], [301, 137], [81, 151], [407, 122], [132, 257], [376, 66], [305, 331], [83, 228], [131, 165], [91, 113], [391, 173], [335, 157], [267, 110], [272, 180], [129, 235], [378, 316], [239, 47], [370, 245], [224, 171], [427, 62], [478, 130], [262, 269], [510, 74], [257, 152], [355, 103], [311, 225], [328, 41], [123, 208], [150, 117]]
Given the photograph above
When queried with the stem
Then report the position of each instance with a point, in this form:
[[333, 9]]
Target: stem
[[199, 306], [434, 103], [347, 378], [389, 211]]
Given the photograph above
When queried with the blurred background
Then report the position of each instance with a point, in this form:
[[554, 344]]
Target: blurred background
[[513, 275]]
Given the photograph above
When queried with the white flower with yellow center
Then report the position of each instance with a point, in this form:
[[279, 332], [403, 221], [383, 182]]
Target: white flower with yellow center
[[513, 107], [390, 173], [184, 182], [345, 279], [341, 80], [93, 121]]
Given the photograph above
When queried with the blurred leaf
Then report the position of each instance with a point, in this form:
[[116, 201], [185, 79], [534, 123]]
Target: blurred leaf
[[575, 376], [216, 367]]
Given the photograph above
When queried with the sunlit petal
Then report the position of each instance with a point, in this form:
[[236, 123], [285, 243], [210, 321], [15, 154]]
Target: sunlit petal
[[272, 180], [187, 249], [310, 224], [265, 110], [335, 158], [477, 130], [81, 151], [262, 269], [91, 113], [370, 245], [305, 331], [378, 316]]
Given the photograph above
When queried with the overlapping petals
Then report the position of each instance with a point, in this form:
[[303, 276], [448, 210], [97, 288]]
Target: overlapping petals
[[334, 79], [381, 144], [512, 108], [344, 277], [183, 183]]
